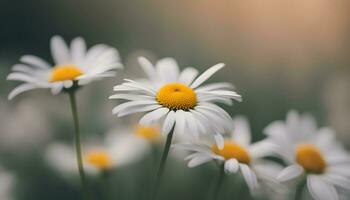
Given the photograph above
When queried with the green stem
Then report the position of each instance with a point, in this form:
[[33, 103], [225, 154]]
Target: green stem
[[220, 181], [106, 182], [160, 171], [77, 139], [299, 192]]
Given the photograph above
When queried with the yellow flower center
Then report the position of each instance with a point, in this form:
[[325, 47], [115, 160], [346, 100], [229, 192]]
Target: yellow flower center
[[100, 159], [151, 133], [177, 96], [232, 150], [310, 158], [65, 73]]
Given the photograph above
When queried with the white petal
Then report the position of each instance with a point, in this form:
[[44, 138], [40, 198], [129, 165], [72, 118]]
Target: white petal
[[167, 69], [22, 68], [188, 75], [337, 180], [207, 74], [131, 104], [198, 160], [223, 93], [192, 124], [231, 166], [78, 49], [126, 148], [264, 148], [342, 170], [215, 86], [138, 109], [192, 147], [241, 132], [289, 173], [56, 88], [35, 61], [249, 177], [321, 190], [22, 88], [219, 141], [131, 97], [168, 123], [147, 67], [153, 116], [179, 122], [17, 76], [59, 50]]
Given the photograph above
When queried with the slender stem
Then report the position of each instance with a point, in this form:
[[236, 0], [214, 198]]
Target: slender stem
[[106, 182], [220, 181], [77, 139], [162, 164], [299, 192]]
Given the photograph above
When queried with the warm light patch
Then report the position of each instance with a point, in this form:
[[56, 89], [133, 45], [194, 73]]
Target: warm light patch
[[232, 150], [151, 133], [65, 73], [177, 96], [99, 159], [310, 158]]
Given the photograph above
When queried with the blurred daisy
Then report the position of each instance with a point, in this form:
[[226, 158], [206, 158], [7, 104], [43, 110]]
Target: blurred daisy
[[150, 133], [237, 154], [116, 151], [7, 181], [74, 63], [177, 97], [311, 153]]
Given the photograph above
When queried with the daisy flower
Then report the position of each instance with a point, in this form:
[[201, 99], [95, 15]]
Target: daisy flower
[[71, 64], [313, 155], [177, 97], [116, 151], [237, 154], [150, 133]]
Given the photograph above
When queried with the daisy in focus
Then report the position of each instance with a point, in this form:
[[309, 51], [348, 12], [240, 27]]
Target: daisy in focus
[[236, 154], [72, 64], [116, 151], [312, 154], [176, 97]]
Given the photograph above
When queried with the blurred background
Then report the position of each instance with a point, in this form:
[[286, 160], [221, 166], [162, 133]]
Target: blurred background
[[279, 54]]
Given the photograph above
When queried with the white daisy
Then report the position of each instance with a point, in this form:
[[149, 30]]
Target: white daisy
[[177, 98], [74, 63], [237, 154], [150, 133], [311, 153], [116, 151]]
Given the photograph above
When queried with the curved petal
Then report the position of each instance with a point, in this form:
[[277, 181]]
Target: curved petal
[[206, 75], [168, 123], [241, 131], [20, 89], [59, 50], [289, 173], [188, 75], [35, 61], [321, 190], [78, 49], [168, 69], [199, 159], [153, 116], [249, 177], [147, 67]]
